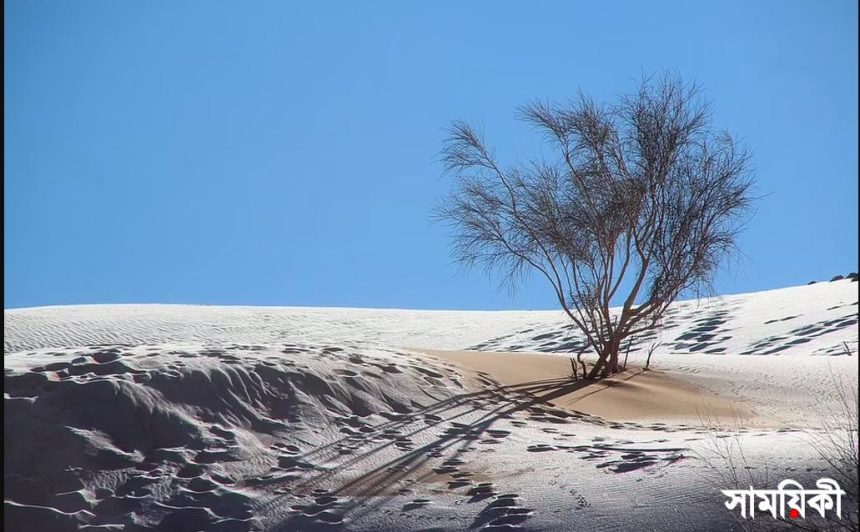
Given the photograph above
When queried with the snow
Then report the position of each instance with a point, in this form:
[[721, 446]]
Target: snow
[[180, 417]]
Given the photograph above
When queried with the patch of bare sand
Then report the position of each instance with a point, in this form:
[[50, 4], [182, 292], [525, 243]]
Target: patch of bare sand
[[634, 395]]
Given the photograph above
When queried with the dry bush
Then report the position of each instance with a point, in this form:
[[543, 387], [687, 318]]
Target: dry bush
[[641, 201], [834, 439]]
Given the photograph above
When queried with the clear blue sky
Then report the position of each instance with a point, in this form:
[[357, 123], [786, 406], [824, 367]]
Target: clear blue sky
[[285, 153]]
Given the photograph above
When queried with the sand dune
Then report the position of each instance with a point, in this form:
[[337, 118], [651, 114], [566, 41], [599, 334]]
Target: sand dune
[[210, 418], [635, 394]]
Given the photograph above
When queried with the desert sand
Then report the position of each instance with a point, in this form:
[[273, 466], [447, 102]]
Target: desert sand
[[180, 417], [635, 394]]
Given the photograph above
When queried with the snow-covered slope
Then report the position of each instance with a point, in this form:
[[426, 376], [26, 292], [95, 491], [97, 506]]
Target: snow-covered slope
[[817, 317], [173, 417]]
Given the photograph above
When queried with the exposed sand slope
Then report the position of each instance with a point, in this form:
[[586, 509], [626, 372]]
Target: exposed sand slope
[[633, 395]]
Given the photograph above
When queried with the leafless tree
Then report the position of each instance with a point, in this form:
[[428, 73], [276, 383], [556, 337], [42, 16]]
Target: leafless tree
[[642, 201]]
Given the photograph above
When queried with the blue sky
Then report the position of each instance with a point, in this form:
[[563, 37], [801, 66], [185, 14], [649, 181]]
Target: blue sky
[[286, 153]]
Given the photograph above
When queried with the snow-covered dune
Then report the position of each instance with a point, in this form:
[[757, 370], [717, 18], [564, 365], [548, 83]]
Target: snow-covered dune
[[760, 323], [175, 417]]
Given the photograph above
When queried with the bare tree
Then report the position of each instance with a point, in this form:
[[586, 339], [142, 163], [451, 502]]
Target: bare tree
[[642, 202]]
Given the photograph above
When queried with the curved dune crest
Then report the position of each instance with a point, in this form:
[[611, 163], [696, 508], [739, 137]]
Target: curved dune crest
[[178, 438]]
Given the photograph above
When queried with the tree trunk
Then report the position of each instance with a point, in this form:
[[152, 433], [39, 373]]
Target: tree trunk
[[595, 369], [611, 365], [607, 362]]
